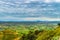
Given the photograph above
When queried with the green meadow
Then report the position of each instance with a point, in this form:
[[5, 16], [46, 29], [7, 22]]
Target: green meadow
[[29, 31]]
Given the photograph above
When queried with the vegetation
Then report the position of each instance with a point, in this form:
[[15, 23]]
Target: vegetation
[[30, 32]]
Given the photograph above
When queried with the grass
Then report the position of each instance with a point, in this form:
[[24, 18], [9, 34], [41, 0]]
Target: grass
[[29, 32]]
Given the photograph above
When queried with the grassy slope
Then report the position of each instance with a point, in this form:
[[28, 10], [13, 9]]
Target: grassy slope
[[29, 31]]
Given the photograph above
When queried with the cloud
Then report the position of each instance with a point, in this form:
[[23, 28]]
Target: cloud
[[18, 11], [47, 1], [9, 3], [11, 18], [57, 0]]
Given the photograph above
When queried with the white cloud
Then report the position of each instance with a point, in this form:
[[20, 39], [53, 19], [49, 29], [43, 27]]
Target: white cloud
[[9, 18], [51, 1], [28, 10], [57, 0], [2, 2], [47, 1], [27, 2]]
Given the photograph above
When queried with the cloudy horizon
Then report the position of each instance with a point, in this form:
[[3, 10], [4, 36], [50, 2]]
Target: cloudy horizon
[[29, 10]]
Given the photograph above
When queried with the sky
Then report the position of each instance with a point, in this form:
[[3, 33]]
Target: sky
[[29, 10]]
